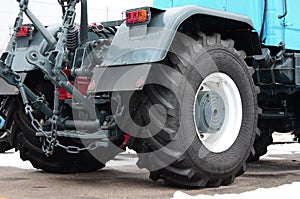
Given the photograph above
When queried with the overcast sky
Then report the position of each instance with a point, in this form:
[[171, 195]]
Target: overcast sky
[[48, 11]]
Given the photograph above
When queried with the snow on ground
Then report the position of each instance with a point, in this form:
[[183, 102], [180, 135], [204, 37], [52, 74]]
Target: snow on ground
[[12, 159], [275, 193]]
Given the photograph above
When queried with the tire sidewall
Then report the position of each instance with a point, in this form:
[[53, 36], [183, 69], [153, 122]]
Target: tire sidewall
[[218, 59]]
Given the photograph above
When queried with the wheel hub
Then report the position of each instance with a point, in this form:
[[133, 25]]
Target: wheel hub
[[210, 112], [218, 112]]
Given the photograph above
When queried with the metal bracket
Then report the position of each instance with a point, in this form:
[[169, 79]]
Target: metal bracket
[[58, 78]]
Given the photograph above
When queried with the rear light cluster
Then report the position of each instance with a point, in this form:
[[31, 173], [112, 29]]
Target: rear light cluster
[[24, 31], [138, 16]]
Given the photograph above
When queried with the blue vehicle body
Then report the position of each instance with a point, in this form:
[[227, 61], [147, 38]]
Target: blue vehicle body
[[286, 29]]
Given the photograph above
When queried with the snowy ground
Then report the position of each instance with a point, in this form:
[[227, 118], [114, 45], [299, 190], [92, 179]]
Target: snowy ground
[[128, 160], [291, 191]]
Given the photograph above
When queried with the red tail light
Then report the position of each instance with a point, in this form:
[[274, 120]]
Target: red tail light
[[23, 32], [138, 16]]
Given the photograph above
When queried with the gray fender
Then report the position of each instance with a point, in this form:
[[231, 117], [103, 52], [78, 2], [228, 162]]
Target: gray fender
[[150, 43]]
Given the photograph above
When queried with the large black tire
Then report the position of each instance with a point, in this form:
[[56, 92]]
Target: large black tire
[[261, 144], [31, 148], [5, 146], [176, 153], [61, 161]]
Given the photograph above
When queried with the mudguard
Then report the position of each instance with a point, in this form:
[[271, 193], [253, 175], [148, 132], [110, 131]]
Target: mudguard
[[120, 78], [150, 43]]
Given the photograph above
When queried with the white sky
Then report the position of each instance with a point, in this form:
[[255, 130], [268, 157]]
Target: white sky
[[48, 11]]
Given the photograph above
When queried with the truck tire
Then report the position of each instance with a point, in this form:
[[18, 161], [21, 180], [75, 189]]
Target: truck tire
[[210, 114], [30, 146]]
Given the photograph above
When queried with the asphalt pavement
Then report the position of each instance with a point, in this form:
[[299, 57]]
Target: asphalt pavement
[[122, 179]]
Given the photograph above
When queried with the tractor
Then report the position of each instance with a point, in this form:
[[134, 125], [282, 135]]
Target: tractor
[[196, 88]]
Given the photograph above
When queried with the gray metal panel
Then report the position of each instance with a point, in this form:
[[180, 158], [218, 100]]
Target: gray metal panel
[[121, 78], [20, 63], [128, 48]]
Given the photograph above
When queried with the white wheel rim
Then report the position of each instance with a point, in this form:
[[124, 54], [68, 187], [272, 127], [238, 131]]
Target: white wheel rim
[[225, 87]]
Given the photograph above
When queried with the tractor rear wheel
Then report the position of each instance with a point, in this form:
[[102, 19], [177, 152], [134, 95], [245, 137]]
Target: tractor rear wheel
[[30, 145], [61, 161], [204, 102], [4, 146]]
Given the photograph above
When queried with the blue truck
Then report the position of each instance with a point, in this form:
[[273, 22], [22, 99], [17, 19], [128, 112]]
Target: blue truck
[[195, 87]]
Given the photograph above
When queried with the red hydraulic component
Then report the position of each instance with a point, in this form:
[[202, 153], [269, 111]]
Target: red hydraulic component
[[81, 83], [63, 94]]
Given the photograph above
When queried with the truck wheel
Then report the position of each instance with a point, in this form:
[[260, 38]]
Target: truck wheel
[[210, 114], [31, 148]]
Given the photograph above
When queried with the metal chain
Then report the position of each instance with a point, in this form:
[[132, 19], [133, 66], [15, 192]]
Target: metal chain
[[76, 150], [50, 142]]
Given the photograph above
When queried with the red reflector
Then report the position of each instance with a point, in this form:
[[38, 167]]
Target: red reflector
[[23, 32], [138, 16], [82, 84]]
